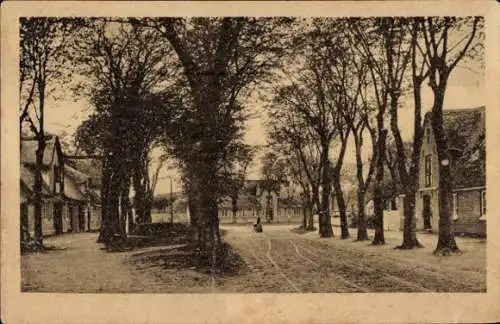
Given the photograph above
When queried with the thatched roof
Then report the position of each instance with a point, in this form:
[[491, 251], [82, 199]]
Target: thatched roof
[[29, 146], [72, 180], [27, 174]]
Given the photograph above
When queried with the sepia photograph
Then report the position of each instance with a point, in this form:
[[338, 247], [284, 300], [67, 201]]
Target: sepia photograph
[[240, 154]]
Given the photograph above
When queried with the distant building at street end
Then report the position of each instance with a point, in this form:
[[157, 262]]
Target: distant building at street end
[[257, 199]]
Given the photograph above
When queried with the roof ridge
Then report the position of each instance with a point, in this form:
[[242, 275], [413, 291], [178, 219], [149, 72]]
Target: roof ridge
[[465, 109]]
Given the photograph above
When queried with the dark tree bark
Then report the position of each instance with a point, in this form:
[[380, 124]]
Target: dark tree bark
[[234, 205], [378, 195], [363, 184], [125, 205], [304, 216], [104, 231], [362, 232], [325, 219], [310, 219], [442, 58], [38, 191], [339, 195], [111, 180], [446, 242], [410, 240], [24, 228], [140, 198]]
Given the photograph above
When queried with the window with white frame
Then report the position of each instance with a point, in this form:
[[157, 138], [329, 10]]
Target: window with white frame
[[428, 172]]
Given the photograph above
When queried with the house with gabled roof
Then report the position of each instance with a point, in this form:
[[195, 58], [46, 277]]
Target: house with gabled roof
[[465, 133], [52, 184], [67, 198]]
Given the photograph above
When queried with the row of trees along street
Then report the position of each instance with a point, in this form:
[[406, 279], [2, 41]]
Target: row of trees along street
[[348, 78], [183, 85]]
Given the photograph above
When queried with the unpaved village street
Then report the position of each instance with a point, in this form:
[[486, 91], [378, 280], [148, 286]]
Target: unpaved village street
[[277, 260]]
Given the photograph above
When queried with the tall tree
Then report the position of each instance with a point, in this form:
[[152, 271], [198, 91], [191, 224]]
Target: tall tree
[[360, 120], [235, 173], [129, 80], [45, 49], [307, 98], [274, 171], [330, 52], [447, 41], [298, 176], [409, 175], [221, 58], [289, 134], [385, 46]]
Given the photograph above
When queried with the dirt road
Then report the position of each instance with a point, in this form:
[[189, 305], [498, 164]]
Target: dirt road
[[277, 260]]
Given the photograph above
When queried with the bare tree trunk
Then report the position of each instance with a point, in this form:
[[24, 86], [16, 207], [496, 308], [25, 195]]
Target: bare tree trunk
[[410, 240], [304, 216], [38, 191], [378, 202], [339, 195], [446, 241], [362, 232], [139, 197], [234, 204], [207, 217], [215, 233], [105, 231], [308, 221], [193, 214], [148, 205], [38, 185], [110, 225], [325, 216], [361, 223], [125, 204], [142, 200], [24, 226], [315, 206]]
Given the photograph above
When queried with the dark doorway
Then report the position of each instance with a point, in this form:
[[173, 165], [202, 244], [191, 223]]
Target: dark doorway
[[427, 213], [89, 217], [58, 223], [74, 218], [81, 218]]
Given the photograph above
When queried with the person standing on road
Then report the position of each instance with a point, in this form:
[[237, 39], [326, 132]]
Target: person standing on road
[[258, 226]]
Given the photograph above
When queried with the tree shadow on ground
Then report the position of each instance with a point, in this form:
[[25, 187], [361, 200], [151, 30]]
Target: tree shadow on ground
[[186, 257], [302, 230], [31, 247], [151, 235], [172, 247]]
